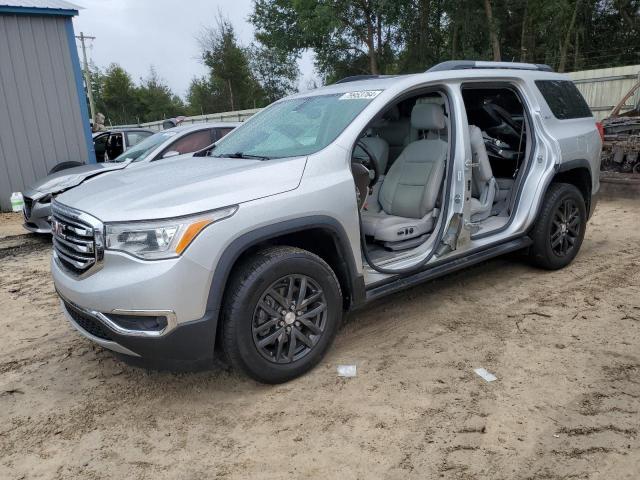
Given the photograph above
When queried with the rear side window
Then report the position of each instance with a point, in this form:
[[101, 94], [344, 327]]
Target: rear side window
[[223, 131], [564, 99]]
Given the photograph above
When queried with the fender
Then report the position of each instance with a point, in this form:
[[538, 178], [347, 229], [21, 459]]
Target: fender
[[566, 167], [240, 245], [573, 164]]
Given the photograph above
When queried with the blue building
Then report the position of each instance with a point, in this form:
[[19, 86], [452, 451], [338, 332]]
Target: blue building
[[44, 118]]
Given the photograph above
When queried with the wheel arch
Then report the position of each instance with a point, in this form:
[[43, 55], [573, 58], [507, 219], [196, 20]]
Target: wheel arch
[[321, 235], [577, 173]]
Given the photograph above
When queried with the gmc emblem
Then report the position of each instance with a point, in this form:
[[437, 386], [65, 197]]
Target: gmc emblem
[[57, 229]]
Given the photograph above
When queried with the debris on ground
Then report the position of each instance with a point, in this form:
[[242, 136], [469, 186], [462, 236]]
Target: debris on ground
[[489, 377], [346, 370]]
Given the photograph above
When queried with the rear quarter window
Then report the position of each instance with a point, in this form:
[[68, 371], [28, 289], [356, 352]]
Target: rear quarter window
[[564, 99]]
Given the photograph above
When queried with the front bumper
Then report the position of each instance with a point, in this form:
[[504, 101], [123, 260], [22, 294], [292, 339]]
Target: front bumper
[[176, 289], [37, 216], [191, 341]]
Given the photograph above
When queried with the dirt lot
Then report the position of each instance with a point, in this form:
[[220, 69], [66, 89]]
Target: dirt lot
[[564, 346]]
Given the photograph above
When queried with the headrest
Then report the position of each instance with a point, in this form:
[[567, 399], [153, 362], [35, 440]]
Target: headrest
[[427, 116], [438, 100]]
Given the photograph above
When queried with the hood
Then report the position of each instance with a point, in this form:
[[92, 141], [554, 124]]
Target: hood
[[71, 177], [172, 188]]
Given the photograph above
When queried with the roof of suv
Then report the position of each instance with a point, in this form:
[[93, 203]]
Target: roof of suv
[[443, 71]]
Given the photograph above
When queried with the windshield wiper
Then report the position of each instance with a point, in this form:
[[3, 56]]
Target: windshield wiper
[[243, 155]]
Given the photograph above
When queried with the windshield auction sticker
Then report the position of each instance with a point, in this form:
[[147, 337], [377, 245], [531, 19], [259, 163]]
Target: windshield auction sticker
[[361, 95]]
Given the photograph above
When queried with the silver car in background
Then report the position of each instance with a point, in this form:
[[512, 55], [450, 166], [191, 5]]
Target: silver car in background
[[165, 144]]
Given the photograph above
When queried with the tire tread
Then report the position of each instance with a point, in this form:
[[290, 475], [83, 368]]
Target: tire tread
[[242, 277]]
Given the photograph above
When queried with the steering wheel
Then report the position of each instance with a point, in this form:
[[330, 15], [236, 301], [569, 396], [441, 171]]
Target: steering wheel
[[371, 163], [500, 115]]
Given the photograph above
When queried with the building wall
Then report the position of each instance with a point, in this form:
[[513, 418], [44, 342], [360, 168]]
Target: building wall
[[604, 88], [41, 117]]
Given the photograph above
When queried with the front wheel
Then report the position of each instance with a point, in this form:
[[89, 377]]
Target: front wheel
[[281, 313], [559, 230]]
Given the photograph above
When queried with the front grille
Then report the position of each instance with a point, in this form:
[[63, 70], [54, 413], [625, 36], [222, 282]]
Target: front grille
[[88, 323], [28, 206], [77, 239]]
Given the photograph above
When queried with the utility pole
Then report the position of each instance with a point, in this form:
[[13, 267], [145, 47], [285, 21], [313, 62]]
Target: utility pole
[[87, 74]]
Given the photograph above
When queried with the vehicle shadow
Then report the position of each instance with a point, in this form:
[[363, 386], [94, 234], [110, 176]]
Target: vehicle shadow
[[353, 322]]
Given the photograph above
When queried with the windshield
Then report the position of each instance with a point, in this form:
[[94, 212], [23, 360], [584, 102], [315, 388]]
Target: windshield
[[141, 150], [296, 127]]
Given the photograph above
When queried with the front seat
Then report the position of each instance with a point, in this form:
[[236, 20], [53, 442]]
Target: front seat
[[484, 186], [406, 205]]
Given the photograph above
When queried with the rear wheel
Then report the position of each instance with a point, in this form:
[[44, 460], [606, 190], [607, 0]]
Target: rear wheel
[[560, 228], [281, 314]]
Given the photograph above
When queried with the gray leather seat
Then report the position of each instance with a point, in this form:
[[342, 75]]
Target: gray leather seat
[[405, 206], [484, 185], [414, 133]]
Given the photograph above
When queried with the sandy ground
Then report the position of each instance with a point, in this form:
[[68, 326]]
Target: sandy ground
[[11, 224], [564, 346]]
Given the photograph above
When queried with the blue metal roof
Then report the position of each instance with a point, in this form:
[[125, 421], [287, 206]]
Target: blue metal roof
[[39, 7]]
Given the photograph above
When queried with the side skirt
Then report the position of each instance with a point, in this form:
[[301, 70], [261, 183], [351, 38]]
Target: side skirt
[[447, 266]]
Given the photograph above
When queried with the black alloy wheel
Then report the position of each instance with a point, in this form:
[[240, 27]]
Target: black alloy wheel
[[289, 319], [281, 312], [565, 229], [560, 227]]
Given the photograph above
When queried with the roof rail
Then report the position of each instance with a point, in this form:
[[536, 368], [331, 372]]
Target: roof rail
[[472, 64], [355, 78]]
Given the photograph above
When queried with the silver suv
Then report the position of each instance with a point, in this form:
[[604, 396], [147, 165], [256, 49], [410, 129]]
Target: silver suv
[[322, 202]]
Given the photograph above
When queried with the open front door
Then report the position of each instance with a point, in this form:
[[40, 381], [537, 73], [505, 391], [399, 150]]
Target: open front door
[[457, 232]]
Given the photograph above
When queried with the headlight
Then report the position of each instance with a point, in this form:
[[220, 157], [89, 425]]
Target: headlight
[[160, 239]]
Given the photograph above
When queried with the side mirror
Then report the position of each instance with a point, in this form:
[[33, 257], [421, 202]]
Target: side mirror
[[171, 153]]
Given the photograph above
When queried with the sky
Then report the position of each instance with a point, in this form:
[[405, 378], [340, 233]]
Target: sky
[[140, 33]]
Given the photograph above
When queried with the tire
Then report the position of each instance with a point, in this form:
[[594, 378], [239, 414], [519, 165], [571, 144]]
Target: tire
[[257, 338], [559, 230], [63, 166]]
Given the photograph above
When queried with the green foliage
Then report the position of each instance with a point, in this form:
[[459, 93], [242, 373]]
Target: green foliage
[[403, 36], [347, 37], [276, 72], [228, 63], [239, 77], [118, 95], [121, 101], [352, 37], [202, 98], [156, 100]]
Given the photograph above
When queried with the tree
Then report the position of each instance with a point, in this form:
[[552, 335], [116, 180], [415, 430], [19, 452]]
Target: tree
[[565, 44], [493, 31], [202, 97], [230, 76], [276, 72], [155, 100], [97, 82], [348, 37], [118, 96]]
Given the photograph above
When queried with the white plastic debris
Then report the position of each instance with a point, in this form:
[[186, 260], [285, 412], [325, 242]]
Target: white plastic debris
[[489, 377], [346, 370]]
